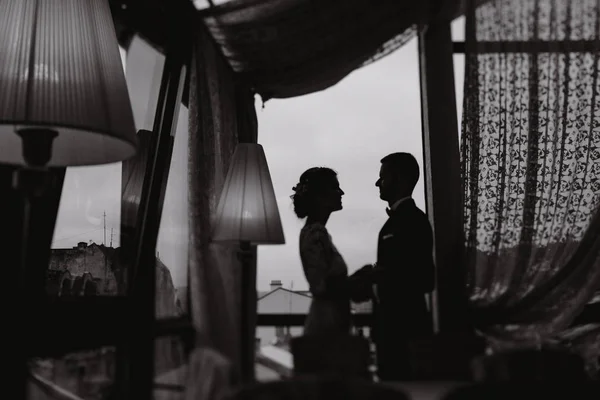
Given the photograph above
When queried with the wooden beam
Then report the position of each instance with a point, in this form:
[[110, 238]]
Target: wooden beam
[[531, 47], [460, 7], [441, 161], [77, 323], [85, 323]]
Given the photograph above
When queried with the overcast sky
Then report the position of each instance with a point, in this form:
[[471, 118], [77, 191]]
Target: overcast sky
[[349, 127]]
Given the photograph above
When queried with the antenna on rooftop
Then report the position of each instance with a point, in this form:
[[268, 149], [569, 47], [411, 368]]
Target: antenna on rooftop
[[291, 295]]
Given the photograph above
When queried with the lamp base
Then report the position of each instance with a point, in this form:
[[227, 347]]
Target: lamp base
[[37, 145], [30, 182]]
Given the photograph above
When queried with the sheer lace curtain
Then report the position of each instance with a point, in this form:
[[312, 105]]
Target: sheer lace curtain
[[531, 164], [221, 114]]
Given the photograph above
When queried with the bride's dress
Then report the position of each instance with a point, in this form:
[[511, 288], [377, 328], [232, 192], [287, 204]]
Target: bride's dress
[[327, 275]]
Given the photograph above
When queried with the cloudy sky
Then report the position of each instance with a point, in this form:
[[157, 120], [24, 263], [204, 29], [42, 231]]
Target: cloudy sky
[[349, 127]]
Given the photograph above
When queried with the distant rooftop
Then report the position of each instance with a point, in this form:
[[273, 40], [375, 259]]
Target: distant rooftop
[[357, 308]]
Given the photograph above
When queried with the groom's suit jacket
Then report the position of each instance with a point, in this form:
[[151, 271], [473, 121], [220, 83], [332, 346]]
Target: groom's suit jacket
[[404, 273]]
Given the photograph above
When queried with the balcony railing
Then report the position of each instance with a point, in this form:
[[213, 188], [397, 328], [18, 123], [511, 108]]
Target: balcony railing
[[51, 389], [358, 320]]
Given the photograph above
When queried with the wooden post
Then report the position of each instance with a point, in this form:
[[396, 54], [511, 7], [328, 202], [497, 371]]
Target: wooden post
[[443, 189]]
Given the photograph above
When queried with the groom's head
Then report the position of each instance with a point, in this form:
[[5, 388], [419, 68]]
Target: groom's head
[[398, 176]]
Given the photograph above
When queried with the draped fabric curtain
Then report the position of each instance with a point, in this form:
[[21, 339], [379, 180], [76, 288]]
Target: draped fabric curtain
[[531, 164], [584, 340], [221, 113], [295, 47]]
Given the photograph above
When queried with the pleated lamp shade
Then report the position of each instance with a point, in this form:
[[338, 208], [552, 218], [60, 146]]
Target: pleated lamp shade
[[247, 210], [62, 85]]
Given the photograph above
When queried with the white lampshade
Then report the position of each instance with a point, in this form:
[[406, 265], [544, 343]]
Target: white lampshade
[[61, 72], [247, 209]]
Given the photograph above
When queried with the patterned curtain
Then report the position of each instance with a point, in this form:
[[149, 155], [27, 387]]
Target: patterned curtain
[[221, 113], [531, 164]]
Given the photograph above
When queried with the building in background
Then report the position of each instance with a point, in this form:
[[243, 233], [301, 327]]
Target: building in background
[[98, 270], [273, 359], [83, 270], [280, 300]]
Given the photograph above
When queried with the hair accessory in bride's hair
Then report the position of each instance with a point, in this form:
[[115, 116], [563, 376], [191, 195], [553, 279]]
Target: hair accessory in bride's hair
[[300, 189]]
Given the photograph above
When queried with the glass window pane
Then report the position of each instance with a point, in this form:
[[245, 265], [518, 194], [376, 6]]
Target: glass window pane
[[87, 237], [172, 245], [459, 78], [144, 71], [87, 232], [170, 368], [90, 374], [87, 374]]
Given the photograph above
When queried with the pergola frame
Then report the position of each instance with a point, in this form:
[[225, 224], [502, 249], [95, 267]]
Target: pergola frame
[[441, 165]]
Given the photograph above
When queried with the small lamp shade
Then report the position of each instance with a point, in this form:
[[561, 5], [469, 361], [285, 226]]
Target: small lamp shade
[[62, 84], [247, 210]]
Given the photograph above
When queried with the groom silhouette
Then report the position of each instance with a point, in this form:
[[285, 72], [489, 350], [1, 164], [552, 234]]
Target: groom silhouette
[[404, 271]]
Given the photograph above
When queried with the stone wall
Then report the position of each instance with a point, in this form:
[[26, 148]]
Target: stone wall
[[95, 260]]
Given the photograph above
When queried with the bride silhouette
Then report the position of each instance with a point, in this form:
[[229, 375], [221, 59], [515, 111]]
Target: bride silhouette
[[315, 197]]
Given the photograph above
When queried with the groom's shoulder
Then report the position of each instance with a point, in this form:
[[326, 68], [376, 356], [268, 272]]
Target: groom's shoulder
[[410, 210], [418, 212], [411, 215]]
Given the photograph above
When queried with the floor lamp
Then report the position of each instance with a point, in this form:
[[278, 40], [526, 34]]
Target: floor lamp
[[247, 214], [63, 102]]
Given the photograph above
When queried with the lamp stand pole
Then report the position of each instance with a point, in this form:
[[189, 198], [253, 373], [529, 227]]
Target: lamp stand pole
[[32, 183], [37, 192], [248, 312], [31, 186]]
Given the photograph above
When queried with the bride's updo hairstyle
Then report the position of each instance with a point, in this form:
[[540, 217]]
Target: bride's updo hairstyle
[[313, 182]]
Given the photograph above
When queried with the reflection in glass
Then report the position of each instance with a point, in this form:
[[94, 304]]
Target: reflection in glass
[[143, 74], [90, 375], [172, 247], [87, 374], [144, 71], [170, 368]]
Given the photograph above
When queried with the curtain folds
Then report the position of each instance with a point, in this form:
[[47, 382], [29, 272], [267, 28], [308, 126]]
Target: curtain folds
[[295, 47], [531, 164], [221, 113]]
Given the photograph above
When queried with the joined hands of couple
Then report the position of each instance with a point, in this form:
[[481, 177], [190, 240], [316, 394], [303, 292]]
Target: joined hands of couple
[[362, 283]]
